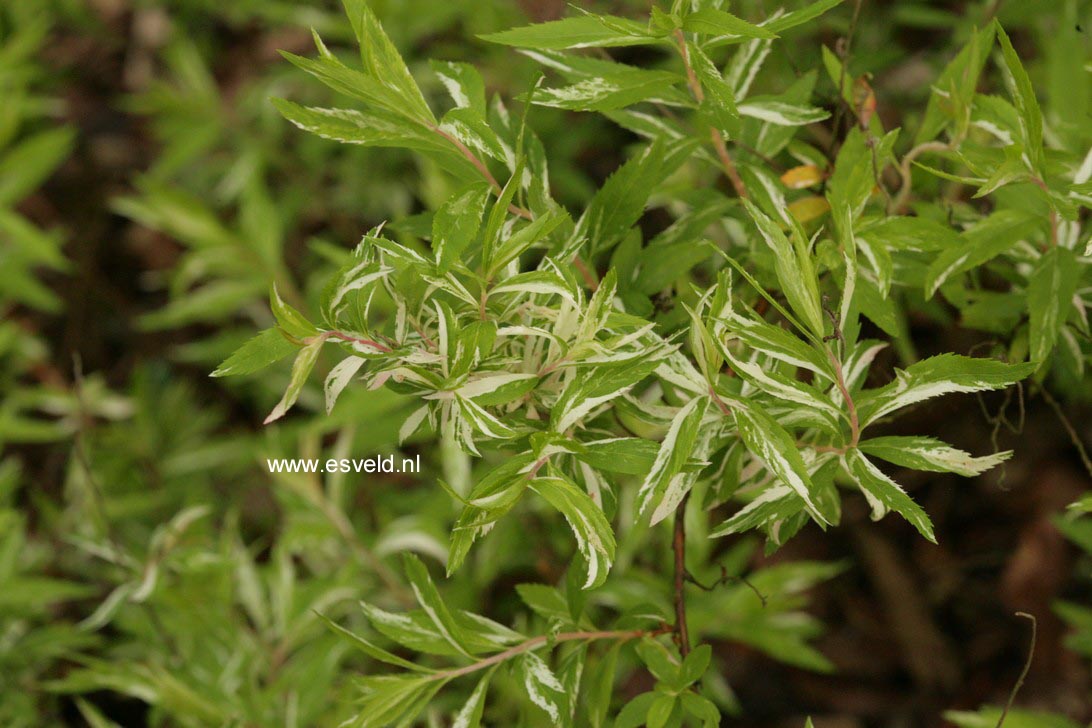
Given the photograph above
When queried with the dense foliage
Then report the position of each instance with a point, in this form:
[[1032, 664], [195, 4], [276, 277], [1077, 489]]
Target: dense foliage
[[615, 386]]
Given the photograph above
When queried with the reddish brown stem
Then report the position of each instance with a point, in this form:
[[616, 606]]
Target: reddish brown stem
[[714, 134], [678, 546], [482, 169], [356, 339]]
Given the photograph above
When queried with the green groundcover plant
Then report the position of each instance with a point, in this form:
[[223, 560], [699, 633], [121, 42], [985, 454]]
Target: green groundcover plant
[[679, 376]]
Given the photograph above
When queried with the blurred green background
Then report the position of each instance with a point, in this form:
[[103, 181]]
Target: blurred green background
[[152, 570]]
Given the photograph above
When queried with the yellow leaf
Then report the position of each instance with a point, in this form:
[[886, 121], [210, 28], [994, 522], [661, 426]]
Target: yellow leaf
[[806, 175], [808, 208]]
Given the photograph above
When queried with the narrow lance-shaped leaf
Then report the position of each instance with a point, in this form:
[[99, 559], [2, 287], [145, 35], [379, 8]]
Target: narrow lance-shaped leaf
[[936, 376], [470, 715], [542, 687], [1050, 293], [301, 368], [930, 454], [673, 455], [433, 604], [775, 447], [456, 224], [257, 353], [801, 16], [1023, 96], [582, 31], [713, 21], [382, 60], [794, 271], [884, 494], [594, 536], [377, 653]]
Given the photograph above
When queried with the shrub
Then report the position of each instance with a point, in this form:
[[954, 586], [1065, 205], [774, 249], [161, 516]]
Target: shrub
[[716, 376]]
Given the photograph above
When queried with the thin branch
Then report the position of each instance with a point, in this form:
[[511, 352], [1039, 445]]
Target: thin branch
[[726, 578], [1024, 672], [585, 273], [851, 407], [903, 194], [536, 642], [714, 134], [1074, 437], [482, 169], [678, 546], [356, 339]]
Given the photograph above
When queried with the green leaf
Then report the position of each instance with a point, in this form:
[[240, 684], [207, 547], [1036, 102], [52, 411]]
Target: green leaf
[[505, 251], [794, 270], [954, 91], [356, 276], [433, 604], [801, 16], [634, 712], [936, 376], [777, 449], [542, 687], [377, 653], [663, 666], [463, 83], [884, 494], [598, 693], [1050, 292], [24, 167], [984, 241], [620, 202], [661, 711], [695, 664], [383, 101], [594, 536], [780, 113], [545, 601], [382, 60], [371, 128], [301, 368], [666, 484], [623, 87], [927, 453], [582, 31], [470, 715], [1023, 96], [456, 224], [629, 455], [289, 319], [713, 21], [701, 708], [257, 353]]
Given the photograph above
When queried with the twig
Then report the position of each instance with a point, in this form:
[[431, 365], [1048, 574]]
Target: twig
[[714, 134], [726, 578], [585, 273], [1024, 672], [1074, 437], [851, 407], [903, 194], [678, 546], [356, 339], [536, 642], [482, 169]]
